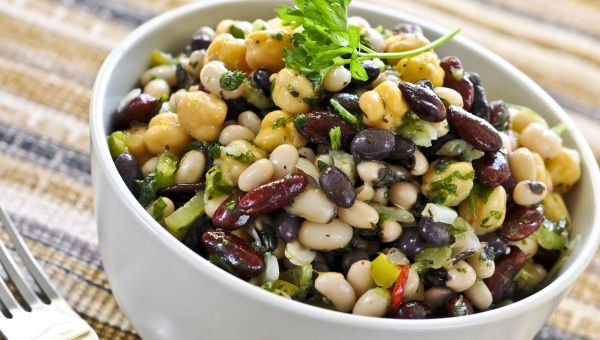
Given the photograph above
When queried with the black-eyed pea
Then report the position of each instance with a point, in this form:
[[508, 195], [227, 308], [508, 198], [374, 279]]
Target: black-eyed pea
[[565, 169], [325, 236], [259, 172], [191, 167], [166, 72], [234, 132], [483, 265], [368, 171], [336, 289], [194, 64], [529, 192], [450, 95], [404, 194], [359, 277], [210, 76], [435, 182], [555, 208], [212, 205], [479, 295], [538, 138], [291, 90], [381, 196], [307, 153], [250, 120], [390, 230], [421, 164], [165, 132], [461, 277], [284, 159], [149, 166], [522, 165], [365, 192], [313, 205], [336, 79], [485, 215], [437, 296], [158, 88], [413, 287], [202, 115], [373, 302], [298, 254], [528, 245], [359, 215]]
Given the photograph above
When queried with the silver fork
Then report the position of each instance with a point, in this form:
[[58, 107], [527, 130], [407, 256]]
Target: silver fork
[[56, 320]]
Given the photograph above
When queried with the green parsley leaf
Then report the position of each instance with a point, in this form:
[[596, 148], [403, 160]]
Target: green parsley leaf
[[231, 80], [237, 32], [335, 137], [215, 184], [349, 117], [158, 209], [279, 122]]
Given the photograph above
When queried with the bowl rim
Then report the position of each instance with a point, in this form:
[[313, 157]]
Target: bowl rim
[[102, 154]]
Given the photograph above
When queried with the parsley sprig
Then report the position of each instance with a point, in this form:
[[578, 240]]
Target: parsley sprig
[[327, 39]]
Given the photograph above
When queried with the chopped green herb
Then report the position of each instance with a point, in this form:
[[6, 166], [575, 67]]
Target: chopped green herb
[[322, 165], [349, 117], [335, 137], [215, 184], [237, 32], [293, 91], [277, 36], [158, 209], [231, 205], [420, 131], [300, 120], [245, 157], [280, 122], [231, 80], [444, 189], [147, 190]]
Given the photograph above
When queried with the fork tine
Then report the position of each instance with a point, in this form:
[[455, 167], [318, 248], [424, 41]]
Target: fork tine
[[7, 298], [28, 260]]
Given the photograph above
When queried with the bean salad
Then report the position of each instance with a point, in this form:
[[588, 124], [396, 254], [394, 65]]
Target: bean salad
[[347, 166]]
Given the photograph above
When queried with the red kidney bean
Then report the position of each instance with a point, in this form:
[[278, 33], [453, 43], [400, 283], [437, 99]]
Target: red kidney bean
[[372, 74], [140, 109], [492, 169], [235, 252], [337, 187], [227, 216], [348, 101], [315, 127], [423, 102], [414, 309], [287, 225], [404, 148], [435, 233], [521, 222], [507, 267], [499, 115], [454, 78], [273, 195], [262, 79], [459, 305], [352, 256], [496, 242], [480, 106], [474, 130], [373, 144], [130, 171], [509, 186]]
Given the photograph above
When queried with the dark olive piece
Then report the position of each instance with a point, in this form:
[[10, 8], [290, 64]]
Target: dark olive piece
[[373, 144], [423, 102], [130, 171], [262, 79], [474, 130], [492, 169], [337, 187], [480, 106]]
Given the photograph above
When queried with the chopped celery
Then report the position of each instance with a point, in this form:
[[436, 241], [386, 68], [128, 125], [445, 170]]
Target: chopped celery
[[157, 209], [433, 257], [530, 276], [117, 144], [420, 131], [460, 149], [178, 223], [160, 58], [216, 186], [384, 272], [439, 213], [301, 277], [165, 170], [550, 235], [395, 213]]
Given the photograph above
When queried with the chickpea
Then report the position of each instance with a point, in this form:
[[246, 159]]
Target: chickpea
[[291, 91], [423, 66], [336, 79], [250, 120], [166, 72], [522, 165], [134, 139], [538, 138], [164, 132], [158, 88], [229, 162], [191, 167], [383, 106], [404, 194], [266, 49], [278, 128], [521, 117], [234, 132], [564, 169], [404, 42], [202, 115], [229, 50], [555, 208], [448, 184], [336, 289], [453, 97], [487, 213]]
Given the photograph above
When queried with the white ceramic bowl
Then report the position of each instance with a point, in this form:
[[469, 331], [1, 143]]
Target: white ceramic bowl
[[168, 292]]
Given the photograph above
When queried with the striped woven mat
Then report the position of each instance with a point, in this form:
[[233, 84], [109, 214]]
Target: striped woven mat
[[50, 51]]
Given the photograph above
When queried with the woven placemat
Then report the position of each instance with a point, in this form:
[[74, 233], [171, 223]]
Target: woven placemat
[[50, 51]]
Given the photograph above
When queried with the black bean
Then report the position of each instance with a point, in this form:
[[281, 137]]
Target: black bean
[[348, 101], [320, 266], [193, 239], [286, 226], [140, 109], [499, 115], [436, 277], [337, 187], [414, 309], [352, 256], [410, 242], [426, 83], [200, 41], [497, 243], [130, 171], [372, 74], [492, 169], [266, 234], [436, 233], [480, 106], [182, 188], [474, 130], [423, 102], [262, 79], [408, 28], [458, 305], [454, 78], [404, 148], [373, 144], [546, 257]]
